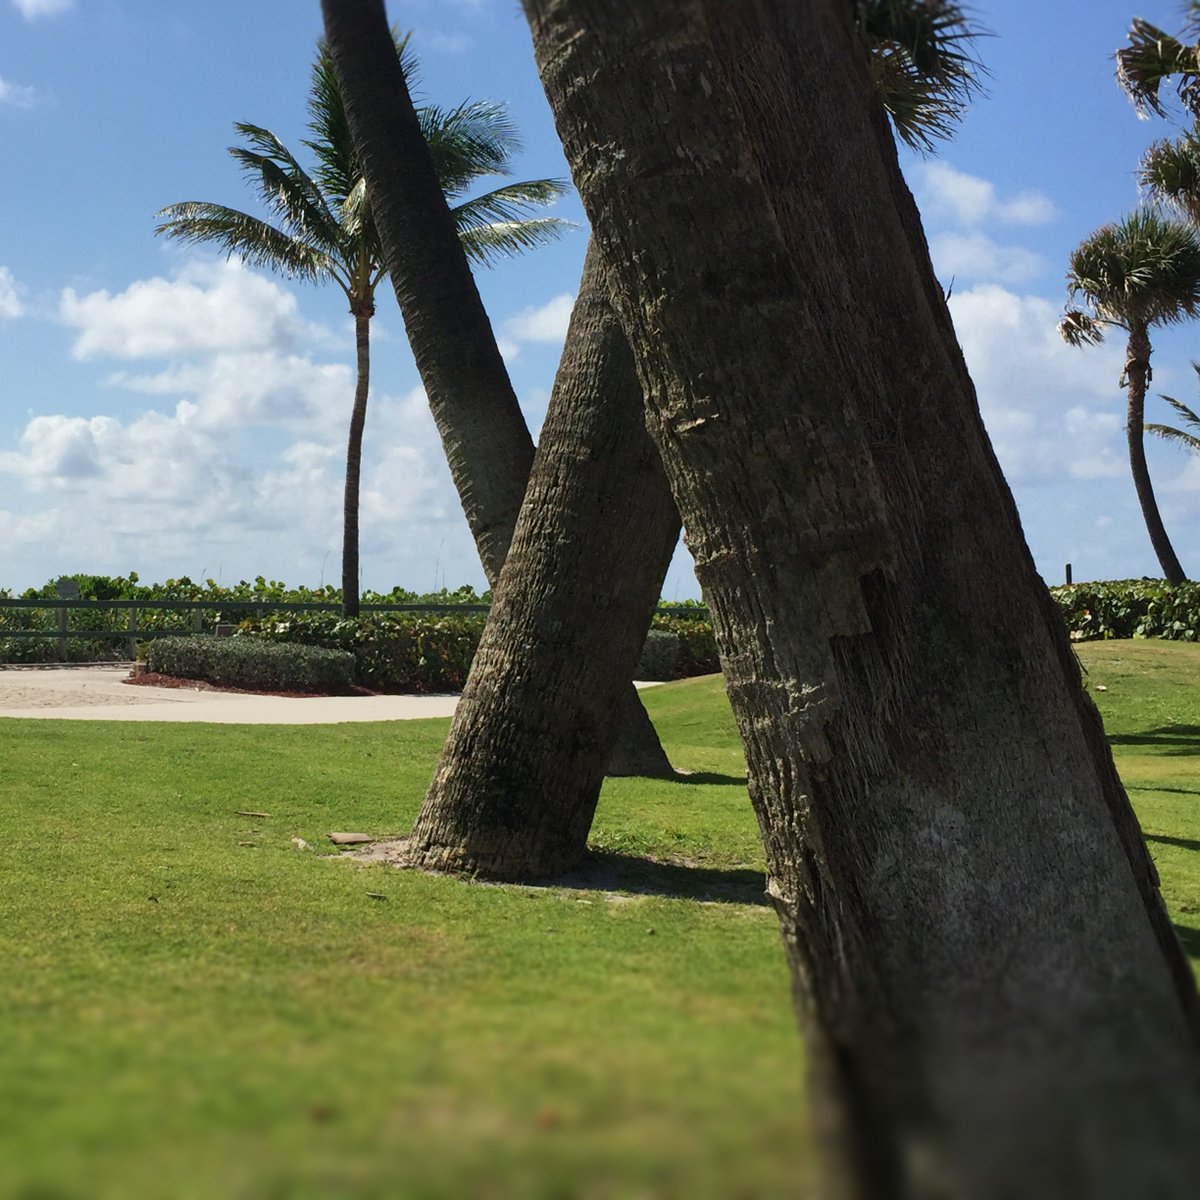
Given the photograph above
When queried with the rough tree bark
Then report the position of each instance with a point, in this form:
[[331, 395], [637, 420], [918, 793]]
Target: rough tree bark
[[996, 1003], [483, 431], [516, 788], [358, 421], [1137, 379]]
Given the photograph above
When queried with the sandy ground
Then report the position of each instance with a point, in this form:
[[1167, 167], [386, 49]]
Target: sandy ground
[[97, 694]]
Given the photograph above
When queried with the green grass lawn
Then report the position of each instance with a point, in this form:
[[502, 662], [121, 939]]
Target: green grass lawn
[[191, 1006]]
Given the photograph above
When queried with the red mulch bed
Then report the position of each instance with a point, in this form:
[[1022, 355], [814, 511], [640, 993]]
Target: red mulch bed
[[149, 679]]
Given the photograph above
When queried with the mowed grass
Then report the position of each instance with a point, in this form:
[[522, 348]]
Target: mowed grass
[[191, 1006]]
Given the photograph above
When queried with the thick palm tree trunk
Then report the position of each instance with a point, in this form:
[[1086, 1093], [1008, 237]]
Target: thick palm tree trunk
[[350, 502], [995, 1000], [517, 785], [1137, 376], [483, 431]]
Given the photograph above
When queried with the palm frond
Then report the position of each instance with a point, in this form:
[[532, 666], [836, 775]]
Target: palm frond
[[293, 197], [1179, 436], [923, 61], [1078, 328], [1170, 173], [474, 139], [1153, 58], [255, 241], [503, 239], [1144, 268]]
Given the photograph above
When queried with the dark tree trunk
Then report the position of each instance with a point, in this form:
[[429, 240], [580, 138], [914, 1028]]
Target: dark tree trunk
[[517, 785], [1137, 377], [995, 1000], [483, 431], [358, 420]]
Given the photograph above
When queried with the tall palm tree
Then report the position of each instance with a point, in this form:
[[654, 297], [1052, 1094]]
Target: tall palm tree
[[322, 228], [1140, 272]]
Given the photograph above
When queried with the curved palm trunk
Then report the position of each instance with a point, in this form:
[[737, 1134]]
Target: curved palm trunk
[[483, 431], [995, 1001], [576, 595], [1137, 375], [358, 420]]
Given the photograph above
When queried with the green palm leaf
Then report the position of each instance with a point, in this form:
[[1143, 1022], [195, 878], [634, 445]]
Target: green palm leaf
[[257, 242], [1170, 172], [1153, 58], [1190, 441], [923, 61]]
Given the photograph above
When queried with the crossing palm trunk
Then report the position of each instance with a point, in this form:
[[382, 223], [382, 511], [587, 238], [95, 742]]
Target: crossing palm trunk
[[1137, 377], [350, 503], [996, 1004], [519, 777], [483, 432]]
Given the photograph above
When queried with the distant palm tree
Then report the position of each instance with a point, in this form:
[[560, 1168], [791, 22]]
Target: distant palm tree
[[324, 230], [1141, 272]]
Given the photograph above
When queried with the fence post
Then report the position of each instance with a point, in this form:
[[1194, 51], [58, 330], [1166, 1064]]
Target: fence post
[[1068, 574], [62, 634], [198, 620], [133, 633]]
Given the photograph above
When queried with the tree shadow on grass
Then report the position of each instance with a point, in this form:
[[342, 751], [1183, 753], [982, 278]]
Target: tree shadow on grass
[[1186, 843], [1189, 938], [708, 777], [1155, 787], [609, 871], [1181, 739]]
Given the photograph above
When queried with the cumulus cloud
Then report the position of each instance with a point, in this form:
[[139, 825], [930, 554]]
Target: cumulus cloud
[[10, 299], [1049, 408], [207, 307], [16, 95], [545, 323], [975, 256], [31, 10], [972, 201]]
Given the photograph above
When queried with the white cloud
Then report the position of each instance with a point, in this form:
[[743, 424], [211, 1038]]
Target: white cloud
[[32, 9], [207, 307], [970, 200], [10, 300], [546, 323], [975, 256], [16, 94], [1051, 410]]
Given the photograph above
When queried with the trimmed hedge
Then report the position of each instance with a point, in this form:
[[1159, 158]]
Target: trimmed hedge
[[391, 652], [252, 663], [1130, 608], [660, 656]]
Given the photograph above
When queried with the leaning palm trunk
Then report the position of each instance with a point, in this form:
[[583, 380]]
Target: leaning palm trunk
[[519, 777], [483, 431], [995, 1002], [358, 420], [1137, 375]]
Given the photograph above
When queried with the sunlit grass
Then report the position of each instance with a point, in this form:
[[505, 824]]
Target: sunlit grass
[[192, 1006]]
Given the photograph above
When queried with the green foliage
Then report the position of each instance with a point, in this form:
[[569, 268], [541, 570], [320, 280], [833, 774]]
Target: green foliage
[[660, 655], [697, 644], [1130, 608], [393, 652], [252, 663]]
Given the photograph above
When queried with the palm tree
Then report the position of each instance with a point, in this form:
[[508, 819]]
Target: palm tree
[[1141, 272], [322, 228]]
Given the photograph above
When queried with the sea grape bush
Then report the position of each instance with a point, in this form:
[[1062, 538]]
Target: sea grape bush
[[1130, 608]]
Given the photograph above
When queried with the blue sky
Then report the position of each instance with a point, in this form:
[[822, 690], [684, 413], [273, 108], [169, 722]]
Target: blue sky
[[167, 412]]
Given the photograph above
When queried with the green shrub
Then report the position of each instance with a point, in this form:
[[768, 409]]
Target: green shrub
[[252, 663], [697, 645], [1130, 608], [393, 652], [660, 655]]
